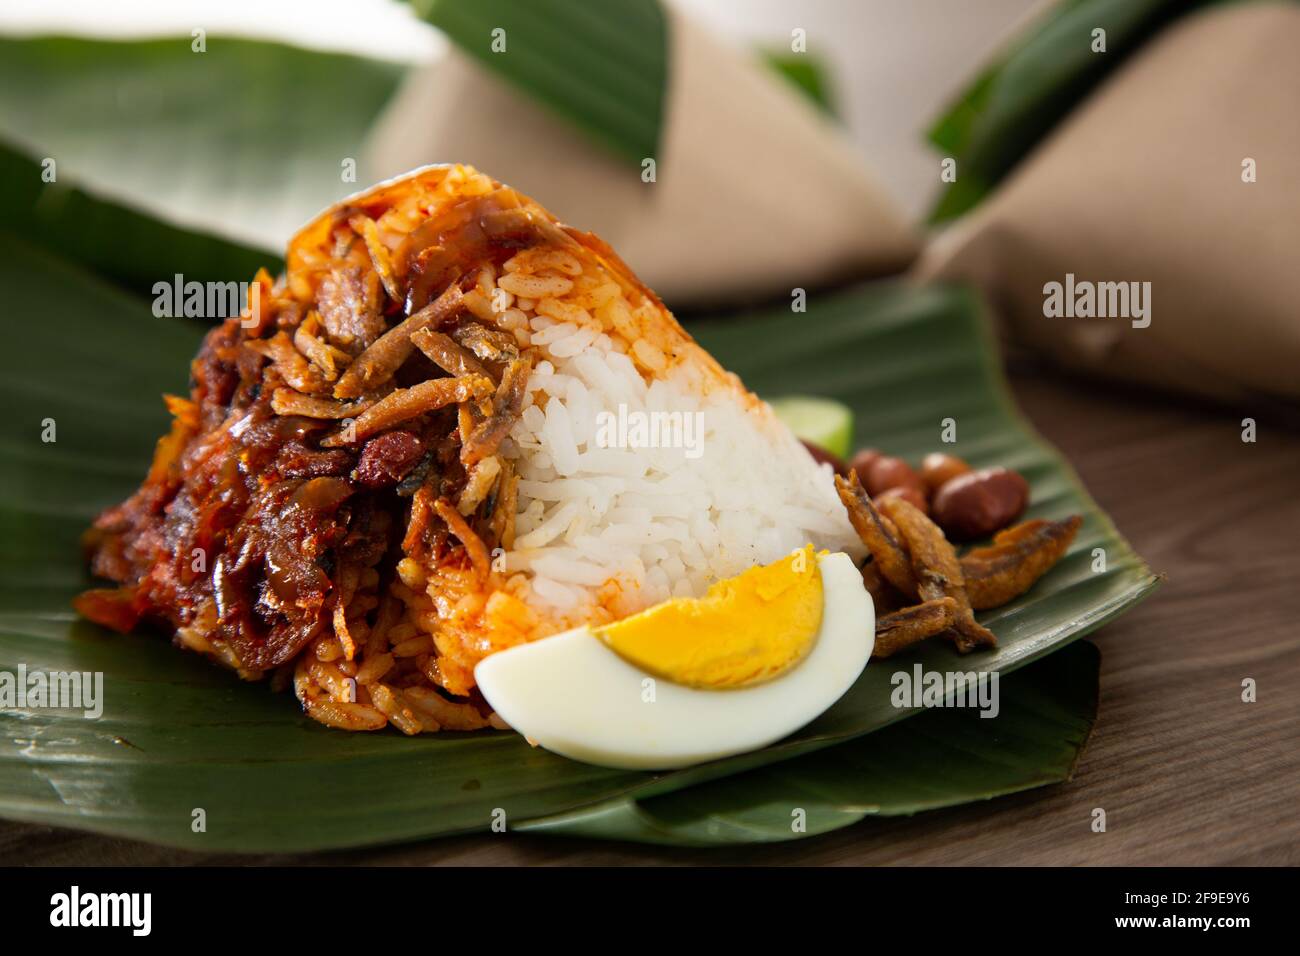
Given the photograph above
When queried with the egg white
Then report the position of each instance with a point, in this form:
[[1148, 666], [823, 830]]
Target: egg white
[[574, 696]]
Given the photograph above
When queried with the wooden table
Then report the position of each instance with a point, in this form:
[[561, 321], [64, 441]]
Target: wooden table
[[1187, 772]]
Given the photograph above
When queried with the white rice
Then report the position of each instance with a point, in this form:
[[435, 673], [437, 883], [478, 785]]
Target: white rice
[[658, 521]]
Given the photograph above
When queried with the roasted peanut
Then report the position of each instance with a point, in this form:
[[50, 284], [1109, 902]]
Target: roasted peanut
[[937, 469], [822, 456], [862, 461], [980, 502], [888, 472], [909, 493]]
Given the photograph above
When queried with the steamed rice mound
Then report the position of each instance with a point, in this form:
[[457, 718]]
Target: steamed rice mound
[[415, 451]]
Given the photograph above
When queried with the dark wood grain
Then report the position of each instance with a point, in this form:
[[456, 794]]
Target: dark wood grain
[[1187, 772]]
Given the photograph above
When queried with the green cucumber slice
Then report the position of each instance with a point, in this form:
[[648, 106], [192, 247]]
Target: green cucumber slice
[[821, 421]]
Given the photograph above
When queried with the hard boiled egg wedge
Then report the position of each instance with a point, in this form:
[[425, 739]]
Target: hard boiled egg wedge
[[693, 679]]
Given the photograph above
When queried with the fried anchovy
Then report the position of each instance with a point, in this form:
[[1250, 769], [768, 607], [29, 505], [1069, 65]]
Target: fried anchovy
[[878, 534], [405, 403], [474, 546], [937, 570], [1017, 558], [445, 353], [507, 405], [909, 625], [490, 345], [387, 353]]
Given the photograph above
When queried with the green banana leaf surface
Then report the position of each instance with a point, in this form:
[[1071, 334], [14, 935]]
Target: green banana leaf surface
[[246, 138], [602, 67], [1045, 73], [179, 740], [177, 736], [937, 759]]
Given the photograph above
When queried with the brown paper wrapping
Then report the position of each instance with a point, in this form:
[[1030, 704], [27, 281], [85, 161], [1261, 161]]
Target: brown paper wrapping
[[756, 192], [1144, 183]]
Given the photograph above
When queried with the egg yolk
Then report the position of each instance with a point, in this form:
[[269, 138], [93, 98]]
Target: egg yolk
[[745, 630]]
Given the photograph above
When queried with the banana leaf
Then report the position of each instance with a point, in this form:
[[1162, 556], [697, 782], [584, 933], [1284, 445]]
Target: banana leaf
[[1017, 100], [181, 743], [247, 139], [602, 66], [937, 759], [72, 223], [615, 56], [808, 74]]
